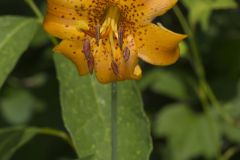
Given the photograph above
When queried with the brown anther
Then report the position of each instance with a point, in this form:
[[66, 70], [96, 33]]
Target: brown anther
[[120, 36], [126, 54], [90, 63], [115, 68], [97, 34], [86, 48]]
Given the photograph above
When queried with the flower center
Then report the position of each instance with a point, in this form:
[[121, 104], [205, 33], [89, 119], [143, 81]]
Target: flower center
[[111, 30], [111, 21]]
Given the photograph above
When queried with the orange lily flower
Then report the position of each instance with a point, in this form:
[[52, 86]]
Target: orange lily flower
[[108, 36]]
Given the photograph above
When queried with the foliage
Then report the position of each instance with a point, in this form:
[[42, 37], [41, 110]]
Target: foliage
[[13, 28], [193, 105], [205, 8], [94, 107], [202, 134]]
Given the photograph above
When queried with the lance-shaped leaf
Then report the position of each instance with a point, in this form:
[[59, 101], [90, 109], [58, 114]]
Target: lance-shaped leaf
[[188, 134], [86, 107], [15, 35], [205, 8], [14, 138]]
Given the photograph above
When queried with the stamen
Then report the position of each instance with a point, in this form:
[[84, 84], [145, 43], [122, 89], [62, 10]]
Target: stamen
[[120, 36], [86, 48], [112, 44], [91, 62], [126, 54], [111, 21], [115, 68], [97, 34]]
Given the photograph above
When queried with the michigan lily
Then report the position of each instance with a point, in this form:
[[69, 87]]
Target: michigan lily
[[106, 37]]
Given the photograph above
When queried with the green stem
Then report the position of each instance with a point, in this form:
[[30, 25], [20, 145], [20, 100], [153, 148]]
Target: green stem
[[56, 133], [229, 153], [35, 9], [39, 15], [195, 52], [209, 116], [203, 98], [198, 66], [216, 103], [114, 120]]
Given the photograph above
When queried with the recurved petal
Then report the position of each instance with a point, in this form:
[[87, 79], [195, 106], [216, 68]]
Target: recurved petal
[[144, 11], [73, 51], [66, 18], [158, 45], [122, 69], [61, 27], [62, 18]]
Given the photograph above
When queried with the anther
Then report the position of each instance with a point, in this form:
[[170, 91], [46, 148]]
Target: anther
[[126, 54], [115, 68], [120, 36], [87, 53], [90, 63], [97, 34], [86, 48]]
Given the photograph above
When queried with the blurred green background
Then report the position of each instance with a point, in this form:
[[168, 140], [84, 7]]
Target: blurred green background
[[181, 127]]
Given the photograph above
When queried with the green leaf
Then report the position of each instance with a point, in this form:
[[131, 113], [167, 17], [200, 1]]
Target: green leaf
[[12, 139], [205, 9], [41, 38], [18, 105], [232, 132], [224, 4], [189, 134], [86, 113], [167, 83], [15, 36]]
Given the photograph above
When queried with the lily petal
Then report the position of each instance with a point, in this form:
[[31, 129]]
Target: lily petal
[[66, 18], [73, 51], [158, 45], [63, 29], [143, 11], [104, 70]]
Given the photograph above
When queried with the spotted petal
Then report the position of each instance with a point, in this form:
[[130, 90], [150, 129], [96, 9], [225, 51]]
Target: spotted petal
[[157, 45], [123, 70], [66, 18], [143, 11], [73, 51]]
